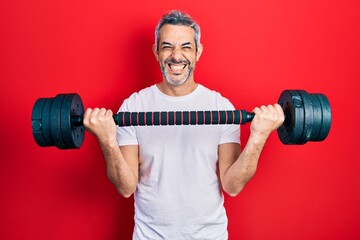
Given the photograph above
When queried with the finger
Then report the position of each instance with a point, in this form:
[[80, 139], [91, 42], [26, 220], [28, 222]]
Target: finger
[[280, 111], [256, 110], [109, 113], [271, 108], [87, 113], [276, 115], [94, 113], [102, 112], [264, 108], [278, 108]]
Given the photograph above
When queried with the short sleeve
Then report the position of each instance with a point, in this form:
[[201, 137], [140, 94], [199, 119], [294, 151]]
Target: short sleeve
[[231, 132], [126, 135]]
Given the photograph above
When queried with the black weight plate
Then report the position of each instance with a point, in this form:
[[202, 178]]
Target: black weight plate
[[73, 135], [45, 122], [65, 118], [317, 114], [36, 122], [326, 117], [291, 130], [308, 116], [55, 123]]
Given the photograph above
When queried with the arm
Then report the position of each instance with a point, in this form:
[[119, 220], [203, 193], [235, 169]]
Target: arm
[[236, 167], [121, 162]]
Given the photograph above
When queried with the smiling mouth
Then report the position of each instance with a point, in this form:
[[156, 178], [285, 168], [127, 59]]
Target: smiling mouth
[[177, 67]]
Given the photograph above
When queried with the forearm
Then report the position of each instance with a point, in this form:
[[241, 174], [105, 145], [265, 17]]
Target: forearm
[[118, 170], [266, 120], [244, 168], [122, 171]]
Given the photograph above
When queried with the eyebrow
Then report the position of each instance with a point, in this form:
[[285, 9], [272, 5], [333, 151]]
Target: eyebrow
[[184, 44], [166, 43], [187, 43]]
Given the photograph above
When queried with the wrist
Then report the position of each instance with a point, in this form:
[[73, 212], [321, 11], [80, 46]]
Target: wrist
[[108, 143], [258, 138]]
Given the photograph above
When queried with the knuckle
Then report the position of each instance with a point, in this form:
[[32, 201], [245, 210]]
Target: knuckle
[[93, 120], [85, 122]]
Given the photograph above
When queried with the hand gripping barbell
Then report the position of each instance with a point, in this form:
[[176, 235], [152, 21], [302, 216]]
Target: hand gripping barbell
[[59, 121]]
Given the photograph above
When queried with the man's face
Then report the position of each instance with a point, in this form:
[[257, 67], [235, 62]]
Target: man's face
[[177, 53]]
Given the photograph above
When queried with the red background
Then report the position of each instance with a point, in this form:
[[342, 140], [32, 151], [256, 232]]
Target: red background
[[252, 51]]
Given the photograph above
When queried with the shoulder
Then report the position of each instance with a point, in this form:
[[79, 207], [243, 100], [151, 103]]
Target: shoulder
[[216, 97], [138, 98], [143, 93]]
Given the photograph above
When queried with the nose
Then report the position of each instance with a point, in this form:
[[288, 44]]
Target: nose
[[176, 53]]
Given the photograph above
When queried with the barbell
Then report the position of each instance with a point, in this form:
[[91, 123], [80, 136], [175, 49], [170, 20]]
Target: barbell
[[58, 121]]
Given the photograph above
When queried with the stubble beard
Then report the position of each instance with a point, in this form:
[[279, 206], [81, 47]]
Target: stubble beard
[[176, 82]]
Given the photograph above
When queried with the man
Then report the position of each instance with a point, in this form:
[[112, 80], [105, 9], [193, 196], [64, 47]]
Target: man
[[177, 173]]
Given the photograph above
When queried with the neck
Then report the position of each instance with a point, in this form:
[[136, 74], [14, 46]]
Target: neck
[[177, 91]]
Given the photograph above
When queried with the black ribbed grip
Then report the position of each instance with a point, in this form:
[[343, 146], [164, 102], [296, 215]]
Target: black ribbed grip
[[123, 119]]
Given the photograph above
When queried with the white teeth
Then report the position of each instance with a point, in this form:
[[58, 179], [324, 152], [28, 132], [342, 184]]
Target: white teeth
[[177, 67]]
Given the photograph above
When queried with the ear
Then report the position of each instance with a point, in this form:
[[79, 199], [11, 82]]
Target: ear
[[155, 51], [199, 51]]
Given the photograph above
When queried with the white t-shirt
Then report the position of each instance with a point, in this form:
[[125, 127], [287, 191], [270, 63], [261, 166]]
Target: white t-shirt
[[179, 193]]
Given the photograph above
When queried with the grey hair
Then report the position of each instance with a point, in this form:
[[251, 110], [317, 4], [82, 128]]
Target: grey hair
[[176, 17]]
